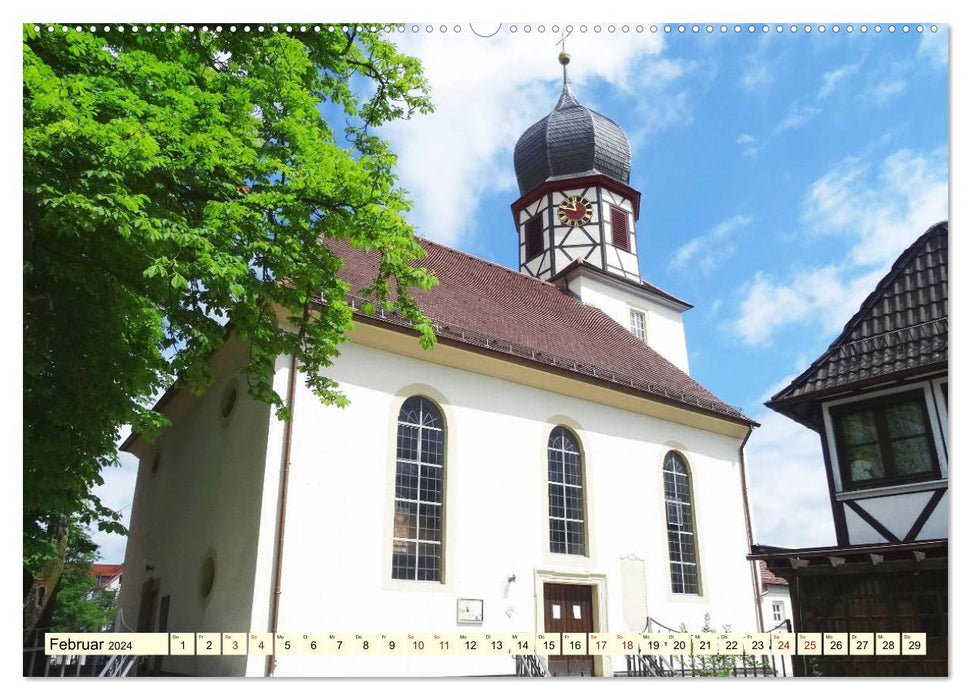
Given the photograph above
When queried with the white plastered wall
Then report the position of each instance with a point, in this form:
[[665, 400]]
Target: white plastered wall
[[204, 498], [336, 568], [664, 325]]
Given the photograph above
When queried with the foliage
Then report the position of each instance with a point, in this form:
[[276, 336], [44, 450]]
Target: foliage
[[78, 608], [178, 182], [722, 665]]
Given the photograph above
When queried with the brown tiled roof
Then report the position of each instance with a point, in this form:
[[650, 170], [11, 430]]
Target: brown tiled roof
[[495, 309], [900, 327], [768, 578]]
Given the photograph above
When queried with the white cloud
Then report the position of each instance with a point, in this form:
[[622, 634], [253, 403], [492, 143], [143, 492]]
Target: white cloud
[[878, 212], [884, 211], [885, 90], [705, 252], [749, 145], [787, 484], [832, 78], [755, 76], [797, 116], [451, 159], [933, 47]]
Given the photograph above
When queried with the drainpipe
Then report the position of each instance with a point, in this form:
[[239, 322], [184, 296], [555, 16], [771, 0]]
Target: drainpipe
[[753, 565], [282, 512]]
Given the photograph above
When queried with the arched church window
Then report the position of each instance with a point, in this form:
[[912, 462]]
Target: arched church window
[[680, 520], [419, 492], [565, 476]]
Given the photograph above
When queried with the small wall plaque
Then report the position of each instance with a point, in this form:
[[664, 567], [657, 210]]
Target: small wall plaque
[[470, 610]]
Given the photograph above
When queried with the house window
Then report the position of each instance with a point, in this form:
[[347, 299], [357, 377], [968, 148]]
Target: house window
[[681, 534], [565, 474], [419, 492], [885, 441], [638, 325], [777, 610], [534, 237], [619, 233]]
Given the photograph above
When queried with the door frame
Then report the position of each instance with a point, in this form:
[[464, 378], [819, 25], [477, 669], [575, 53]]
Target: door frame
[[596, 581]]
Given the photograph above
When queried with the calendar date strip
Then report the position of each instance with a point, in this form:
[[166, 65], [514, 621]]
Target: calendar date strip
[[481, 644]]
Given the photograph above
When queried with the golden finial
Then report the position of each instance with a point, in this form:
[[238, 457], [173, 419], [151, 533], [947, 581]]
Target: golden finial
[[564, 58]]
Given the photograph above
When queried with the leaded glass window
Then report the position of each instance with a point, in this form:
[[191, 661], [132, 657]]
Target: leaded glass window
[[565, 476], [419, 491], [680, 521], [886, 440]]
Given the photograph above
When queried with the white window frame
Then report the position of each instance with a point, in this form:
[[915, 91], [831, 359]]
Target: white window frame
[[692, 527], [935, 427], [583, 497], [643, 314], [417, 501]]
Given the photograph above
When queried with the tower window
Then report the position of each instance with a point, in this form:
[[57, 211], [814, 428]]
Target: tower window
[[777, 611], [638, 325], [619, 233], [534, 237]]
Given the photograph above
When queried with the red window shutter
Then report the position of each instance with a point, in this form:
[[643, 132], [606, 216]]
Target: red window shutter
[[534, 237], [619, 234]]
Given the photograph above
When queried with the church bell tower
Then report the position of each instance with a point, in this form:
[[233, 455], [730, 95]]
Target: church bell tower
[[576, 220], [573, 169]]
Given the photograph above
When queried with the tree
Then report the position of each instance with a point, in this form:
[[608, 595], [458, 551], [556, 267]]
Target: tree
[[78, 607], [176, 182]]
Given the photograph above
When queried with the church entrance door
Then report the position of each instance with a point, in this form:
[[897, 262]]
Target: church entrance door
[[569, 608]]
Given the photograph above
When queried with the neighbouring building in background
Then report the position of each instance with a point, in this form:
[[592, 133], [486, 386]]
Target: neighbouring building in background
[[774, 591], [549, 466], [776, 611], [878, 399], [107, 576]]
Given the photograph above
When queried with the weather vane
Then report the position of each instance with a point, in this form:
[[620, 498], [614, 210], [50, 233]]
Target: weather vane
[[564, 57]]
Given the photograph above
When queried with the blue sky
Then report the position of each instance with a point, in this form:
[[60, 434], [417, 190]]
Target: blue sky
[[781, 174]]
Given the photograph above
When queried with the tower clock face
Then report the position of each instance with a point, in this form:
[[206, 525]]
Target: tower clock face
[[574, 211]]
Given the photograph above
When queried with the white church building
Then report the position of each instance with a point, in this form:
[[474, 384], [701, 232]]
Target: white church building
[[549, 466]]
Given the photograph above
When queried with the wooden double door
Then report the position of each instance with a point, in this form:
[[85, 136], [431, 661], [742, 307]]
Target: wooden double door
[[568, 608]]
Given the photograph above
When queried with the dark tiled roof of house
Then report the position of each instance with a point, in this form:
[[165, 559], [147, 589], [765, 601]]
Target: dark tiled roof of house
[[900, 327], [495, 309]]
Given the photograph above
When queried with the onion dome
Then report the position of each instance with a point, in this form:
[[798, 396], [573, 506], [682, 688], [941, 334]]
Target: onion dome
[[571, 141]]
